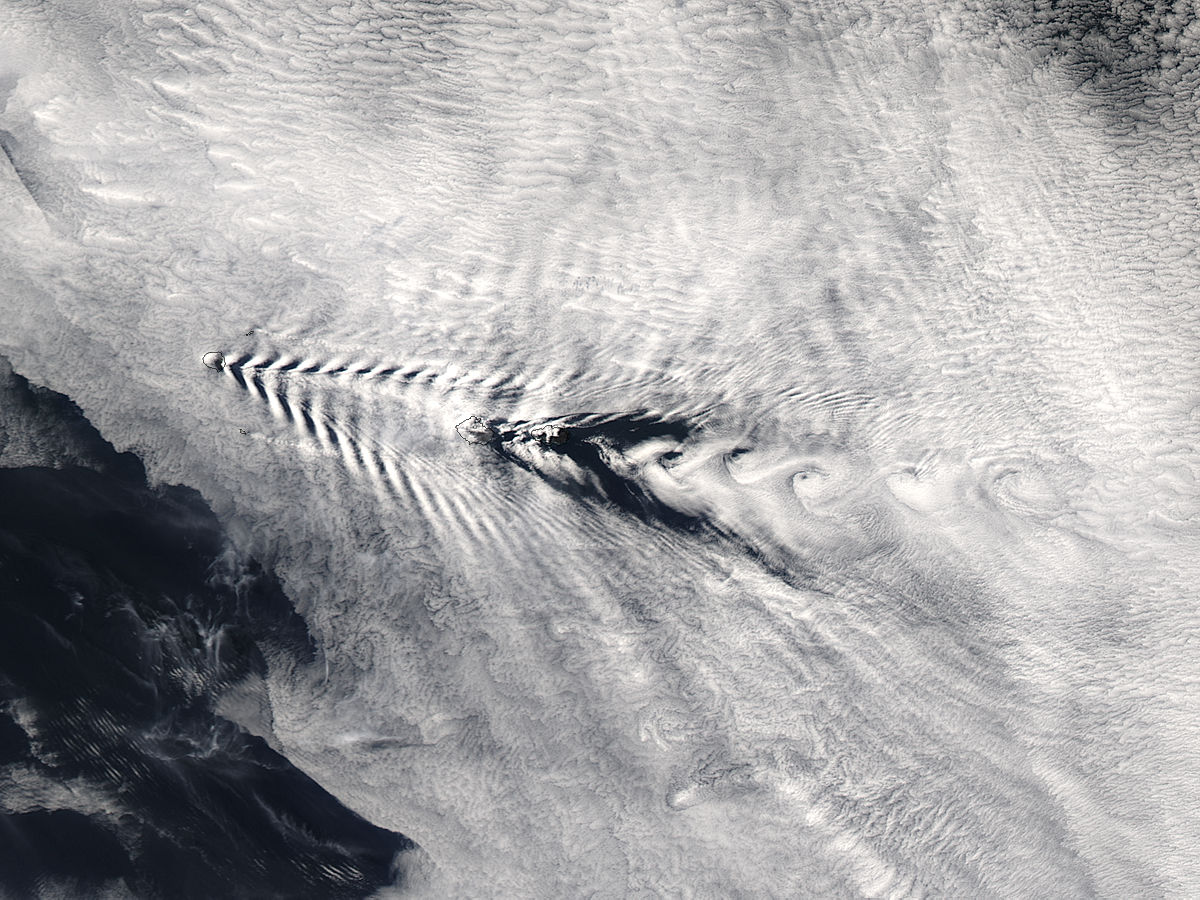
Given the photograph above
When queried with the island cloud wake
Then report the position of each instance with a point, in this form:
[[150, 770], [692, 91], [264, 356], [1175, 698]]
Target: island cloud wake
[[828, 522]]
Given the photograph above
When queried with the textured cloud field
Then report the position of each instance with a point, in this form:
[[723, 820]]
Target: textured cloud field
[[868, 565]]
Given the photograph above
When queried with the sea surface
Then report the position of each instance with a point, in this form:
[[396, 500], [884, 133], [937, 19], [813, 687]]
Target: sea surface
[[599, 449]]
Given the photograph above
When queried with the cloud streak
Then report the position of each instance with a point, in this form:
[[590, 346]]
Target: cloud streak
[[867, 566]]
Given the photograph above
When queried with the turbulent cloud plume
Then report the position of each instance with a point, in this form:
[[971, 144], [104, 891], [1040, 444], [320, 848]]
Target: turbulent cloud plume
[[616, 450]]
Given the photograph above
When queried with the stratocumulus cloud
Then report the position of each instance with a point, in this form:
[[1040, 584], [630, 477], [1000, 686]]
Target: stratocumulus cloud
[[827, 525]]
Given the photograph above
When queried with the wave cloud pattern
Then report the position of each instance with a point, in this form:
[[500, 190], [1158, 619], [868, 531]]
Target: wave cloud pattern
[[828, 524]]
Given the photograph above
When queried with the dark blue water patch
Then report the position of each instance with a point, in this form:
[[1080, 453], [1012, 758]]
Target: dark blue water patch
[[63, 846], [307, 422], [121, 625], [14, 743], [235, 369], [52, 426], [586, 435], [623, 429], [1121, 59]]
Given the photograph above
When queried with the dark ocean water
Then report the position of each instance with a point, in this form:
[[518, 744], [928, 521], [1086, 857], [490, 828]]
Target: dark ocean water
[[124, 619], [867, 565]]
